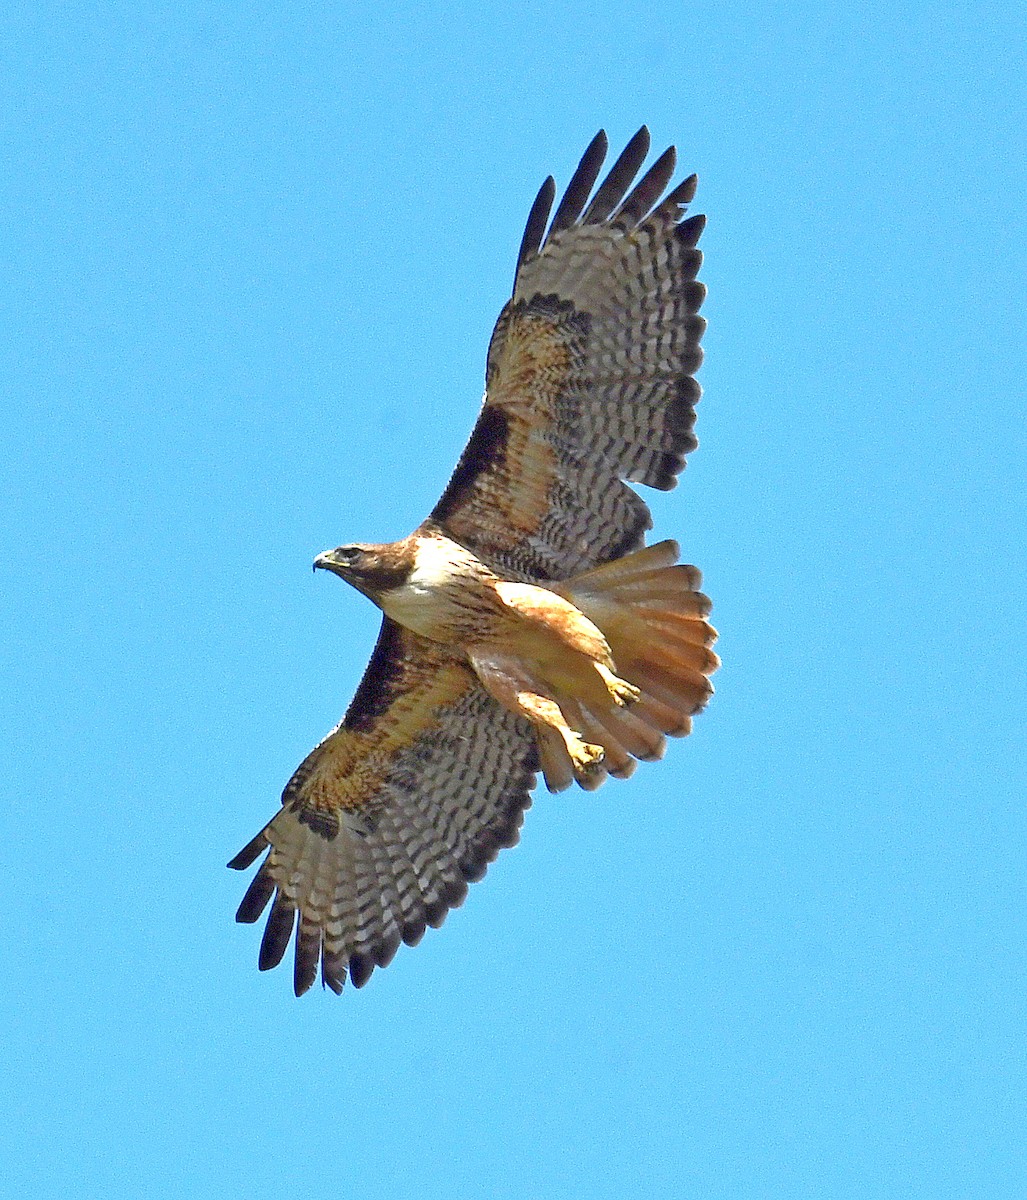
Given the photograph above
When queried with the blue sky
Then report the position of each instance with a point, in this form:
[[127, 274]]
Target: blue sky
[[252, 256]]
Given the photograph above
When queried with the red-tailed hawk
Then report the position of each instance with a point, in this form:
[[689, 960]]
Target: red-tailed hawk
[[527, 626]]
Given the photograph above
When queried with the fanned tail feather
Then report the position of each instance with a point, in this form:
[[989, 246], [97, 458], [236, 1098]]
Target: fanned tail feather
[[651, 612]]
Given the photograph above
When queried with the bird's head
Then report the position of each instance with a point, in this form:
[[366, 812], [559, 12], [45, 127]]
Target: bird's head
[[371, 569]]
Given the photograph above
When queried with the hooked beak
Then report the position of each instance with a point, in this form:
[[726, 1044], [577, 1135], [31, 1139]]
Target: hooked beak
[[326, 561]]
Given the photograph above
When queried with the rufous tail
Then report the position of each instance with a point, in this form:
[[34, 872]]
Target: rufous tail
[[651, 612]]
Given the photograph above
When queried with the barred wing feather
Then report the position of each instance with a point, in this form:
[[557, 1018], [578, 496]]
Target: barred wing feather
[[590, 376], [386, 822]]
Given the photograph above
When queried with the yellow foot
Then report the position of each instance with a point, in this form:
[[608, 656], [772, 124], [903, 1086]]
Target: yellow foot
[[587, 757], [621, 692]]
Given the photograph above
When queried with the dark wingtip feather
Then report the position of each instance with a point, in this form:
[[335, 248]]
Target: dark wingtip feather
[[250, 853], [308, 954], [456, 893], [693, 294], [683, 194], [386, 949], [581, 184], [276, 934], [614, 187], [688, 267], [475, 871], [691, 359], [435, 913], [694, 326], [257, 895], [688, 232], [333, 971], [648, 189], [360, 968], [670, 466], [537, 218], [413, 931]]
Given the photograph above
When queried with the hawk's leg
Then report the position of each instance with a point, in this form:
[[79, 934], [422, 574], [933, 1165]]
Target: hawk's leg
[[509, 682], [621, 692]]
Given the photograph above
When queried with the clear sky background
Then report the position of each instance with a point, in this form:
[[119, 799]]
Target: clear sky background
[[251, 257]]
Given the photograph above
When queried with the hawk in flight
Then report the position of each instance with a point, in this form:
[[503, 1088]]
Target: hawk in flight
[[527, 627]]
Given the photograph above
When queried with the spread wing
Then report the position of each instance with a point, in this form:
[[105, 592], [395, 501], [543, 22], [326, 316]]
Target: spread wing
[[590, 377], [390, 817]]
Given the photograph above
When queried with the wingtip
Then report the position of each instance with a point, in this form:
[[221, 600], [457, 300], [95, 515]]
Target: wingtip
[[690, 230], [302, 984], [538, 218], [249, 853], [642, 136], [361, 967], [277, 933]]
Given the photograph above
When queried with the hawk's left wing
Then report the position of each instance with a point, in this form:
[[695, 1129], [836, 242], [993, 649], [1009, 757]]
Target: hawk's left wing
[[590, 379], [386, 822]]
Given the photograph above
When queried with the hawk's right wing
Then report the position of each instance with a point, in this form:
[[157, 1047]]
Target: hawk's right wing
[[386, 822]]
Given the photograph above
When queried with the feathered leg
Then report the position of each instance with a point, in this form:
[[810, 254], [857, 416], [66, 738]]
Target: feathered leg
[[509, 681]]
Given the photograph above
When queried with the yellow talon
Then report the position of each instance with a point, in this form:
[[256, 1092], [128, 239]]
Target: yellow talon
[[587, 757], [621, 692]]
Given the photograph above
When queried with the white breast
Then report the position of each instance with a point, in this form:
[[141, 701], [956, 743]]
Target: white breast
[[439, 594]]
